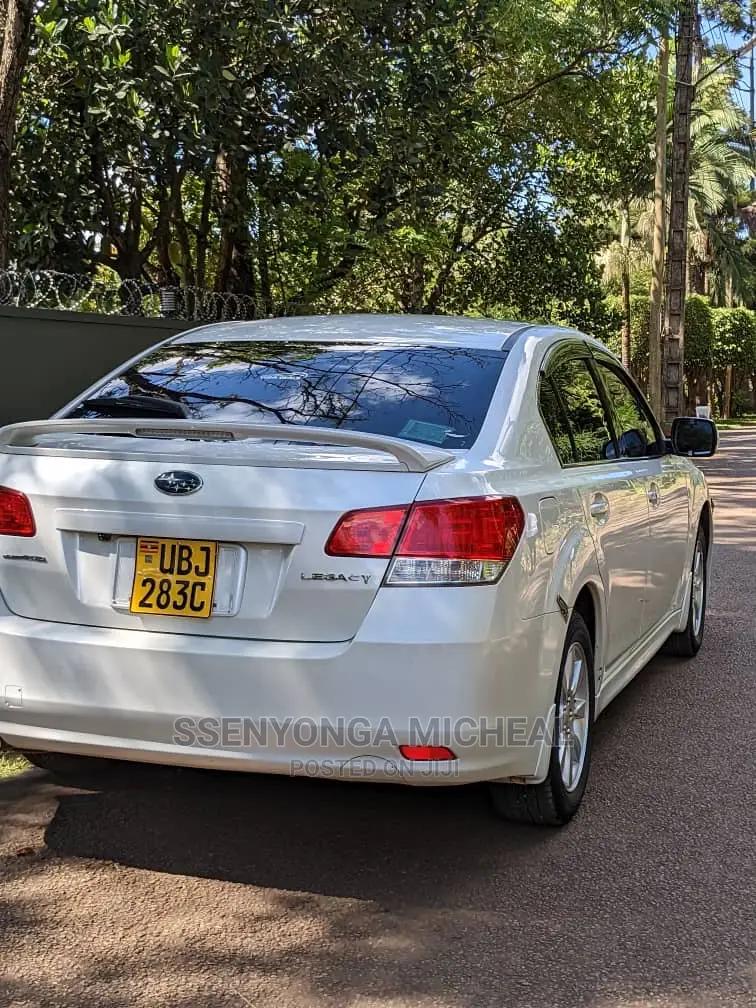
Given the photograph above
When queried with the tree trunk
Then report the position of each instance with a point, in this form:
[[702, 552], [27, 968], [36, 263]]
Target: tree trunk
[[695, 396], [413, 285], [677, 246], [15, 52], [227, 213], [702, 391], [161, 232], [626, 320], [727, 401], [697, 276], [182, 229], [203, 231], [716, 392], [263, 260], [657, 269], [439, 287], [236, 274]]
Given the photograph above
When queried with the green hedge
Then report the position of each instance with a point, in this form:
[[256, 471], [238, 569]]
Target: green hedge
[[699, 333], [734, 339]]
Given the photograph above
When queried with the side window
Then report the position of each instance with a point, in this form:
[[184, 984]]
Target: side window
[[636, 433], [555, 419], [588, 428]]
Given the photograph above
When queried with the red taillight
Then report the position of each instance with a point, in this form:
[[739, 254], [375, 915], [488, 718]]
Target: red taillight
[[426, 753], [16, 518], [466, 528], [369, 533], [464, 540]]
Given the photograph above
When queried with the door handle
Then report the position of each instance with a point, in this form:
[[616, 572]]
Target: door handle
[[599, 506]]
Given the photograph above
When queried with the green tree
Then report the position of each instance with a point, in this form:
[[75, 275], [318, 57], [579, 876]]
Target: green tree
[[734, 346], [560, 283], [699, 348], [15, 39], [321, 156]]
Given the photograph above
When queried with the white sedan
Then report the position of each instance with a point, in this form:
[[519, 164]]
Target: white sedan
[[420, 549]]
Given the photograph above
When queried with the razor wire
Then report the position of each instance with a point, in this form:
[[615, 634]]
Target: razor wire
[[131, 298]]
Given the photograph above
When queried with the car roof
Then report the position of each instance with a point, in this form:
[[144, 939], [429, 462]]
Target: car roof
[[373, 328]]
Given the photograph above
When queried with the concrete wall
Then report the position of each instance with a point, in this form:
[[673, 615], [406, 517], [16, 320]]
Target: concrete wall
[[47, 357]]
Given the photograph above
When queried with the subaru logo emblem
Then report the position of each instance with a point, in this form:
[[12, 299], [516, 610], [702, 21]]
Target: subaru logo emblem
[[178, 483]]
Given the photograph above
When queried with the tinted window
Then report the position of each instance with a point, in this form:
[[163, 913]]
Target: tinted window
[[555, 419], [435, 395], [636, 434], [588, 424]]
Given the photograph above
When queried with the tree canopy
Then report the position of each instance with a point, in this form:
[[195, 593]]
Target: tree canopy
[[314, 155], [318, 155]]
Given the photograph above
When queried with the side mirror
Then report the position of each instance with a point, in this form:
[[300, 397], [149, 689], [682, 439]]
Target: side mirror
[[694, 436]]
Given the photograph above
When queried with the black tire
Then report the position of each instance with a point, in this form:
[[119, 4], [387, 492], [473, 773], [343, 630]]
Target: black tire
[[551, 803], [687, 643]]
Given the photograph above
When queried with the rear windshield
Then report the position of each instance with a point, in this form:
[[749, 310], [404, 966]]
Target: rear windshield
[[431, 394]]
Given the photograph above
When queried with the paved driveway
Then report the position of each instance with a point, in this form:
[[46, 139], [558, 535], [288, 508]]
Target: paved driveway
[[205, 890]]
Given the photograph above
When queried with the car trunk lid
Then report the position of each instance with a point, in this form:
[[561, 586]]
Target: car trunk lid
[[269, 498]]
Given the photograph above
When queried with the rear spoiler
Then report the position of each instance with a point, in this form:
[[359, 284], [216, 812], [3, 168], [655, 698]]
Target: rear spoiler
[[415, 457]]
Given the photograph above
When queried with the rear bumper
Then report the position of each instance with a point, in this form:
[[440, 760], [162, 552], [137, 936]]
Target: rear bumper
[[331, 710]]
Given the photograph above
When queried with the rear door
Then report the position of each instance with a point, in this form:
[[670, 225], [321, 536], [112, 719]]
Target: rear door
[[641, 443], [613, 490]]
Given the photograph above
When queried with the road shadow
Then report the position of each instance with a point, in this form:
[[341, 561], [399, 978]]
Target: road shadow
[[386, 843]]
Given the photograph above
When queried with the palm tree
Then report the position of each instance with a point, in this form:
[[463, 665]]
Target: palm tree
[[629, 250], [722, 168]]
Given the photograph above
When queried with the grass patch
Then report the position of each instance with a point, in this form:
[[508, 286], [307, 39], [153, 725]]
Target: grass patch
[[742, 421], [11, 764]]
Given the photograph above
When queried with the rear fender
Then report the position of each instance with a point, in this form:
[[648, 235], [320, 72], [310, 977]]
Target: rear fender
[[575, 568]]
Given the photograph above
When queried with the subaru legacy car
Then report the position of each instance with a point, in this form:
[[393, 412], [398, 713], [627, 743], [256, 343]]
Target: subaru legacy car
[[420, 549]]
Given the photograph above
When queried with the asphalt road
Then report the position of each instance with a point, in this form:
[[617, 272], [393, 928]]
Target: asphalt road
[[210, 890]]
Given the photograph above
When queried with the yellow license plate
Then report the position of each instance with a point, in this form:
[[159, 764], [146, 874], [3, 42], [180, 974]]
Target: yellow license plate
[[174, 577]]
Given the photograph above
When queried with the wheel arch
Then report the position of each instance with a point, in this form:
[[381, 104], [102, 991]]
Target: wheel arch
[[589, 603], [577, 584], [706, 521]]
